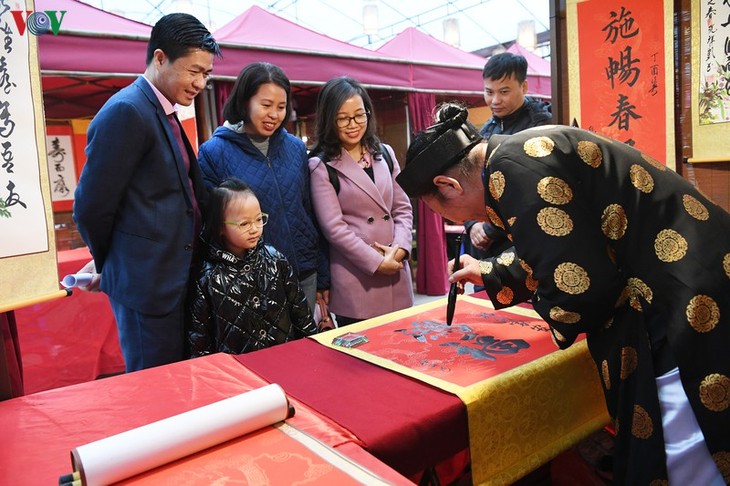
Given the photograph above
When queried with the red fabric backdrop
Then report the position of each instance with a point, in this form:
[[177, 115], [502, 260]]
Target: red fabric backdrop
[[431, 278]]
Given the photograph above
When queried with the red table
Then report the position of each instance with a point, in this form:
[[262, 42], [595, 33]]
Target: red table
[[40, 430], [70, 340]]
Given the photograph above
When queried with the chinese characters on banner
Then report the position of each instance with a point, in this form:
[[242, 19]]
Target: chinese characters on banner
[[23, 225], [714, 95], [61, 166], [622, 72]]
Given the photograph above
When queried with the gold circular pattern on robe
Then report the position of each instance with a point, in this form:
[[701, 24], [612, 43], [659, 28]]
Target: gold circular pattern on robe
[[506, 258], [670, 246], [703, 313], [530, 281], [614, 221], [571, 278], [539, 147], [505, 295], [641, 179], [726, 265], [654, 162], [511, 221], [492, 215], [527, 268], [695, 208], [629, 361], [590, 153], [722, 460], [715, 392], [606, 375], [561, 315], [554, 190], [637, 288], [485, 268], [554, 221], [496, 185], [641, 427]]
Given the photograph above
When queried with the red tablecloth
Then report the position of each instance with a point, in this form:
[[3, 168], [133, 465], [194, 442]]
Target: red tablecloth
[[403, 422], [40, 430], [70, 340]]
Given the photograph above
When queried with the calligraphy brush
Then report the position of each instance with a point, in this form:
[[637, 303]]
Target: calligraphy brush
[[451, 302]]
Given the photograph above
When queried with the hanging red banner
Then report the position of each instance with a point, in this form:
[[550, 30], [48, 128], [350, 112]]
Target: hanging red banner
[[622, 72]]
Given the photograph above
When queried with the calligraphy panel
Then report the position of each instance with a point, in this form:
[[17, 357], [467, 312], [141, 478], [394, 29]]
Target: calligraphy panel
[[28, 268], [622, 71]]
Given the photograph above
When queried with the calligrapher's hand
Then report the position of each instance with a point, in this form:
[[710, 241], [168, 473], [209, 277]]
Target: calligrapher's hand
[[469, 272], [390, 264], [479, 237], [93, 286]]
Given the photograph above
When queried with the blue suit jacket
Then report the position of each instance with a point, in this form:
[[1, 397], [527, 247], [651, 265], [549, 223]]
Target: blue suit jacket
[[133, 204]]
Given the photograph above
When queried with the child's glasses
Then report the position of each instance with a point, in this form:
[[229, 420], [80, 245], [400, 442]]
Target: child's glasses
[[247, 225]]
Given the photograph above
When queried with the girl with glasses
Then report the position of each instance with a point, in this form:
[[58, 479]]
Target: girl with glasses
[[246, 296], [253, 145], [364, 215]]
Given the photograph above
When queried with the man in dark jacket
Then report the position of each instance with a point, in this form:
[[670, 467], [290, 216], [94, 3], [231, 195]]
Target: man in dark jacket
[[505, 86]]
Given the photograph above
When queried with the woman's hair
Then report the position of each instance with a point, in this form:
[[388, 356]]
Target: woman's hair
[[218, 200], [329, 100], [247, 84], [427, 156]]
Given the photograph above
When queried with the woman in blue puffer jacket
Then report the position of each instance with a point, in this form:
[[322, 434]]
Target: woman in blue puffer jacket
[[253, 145]]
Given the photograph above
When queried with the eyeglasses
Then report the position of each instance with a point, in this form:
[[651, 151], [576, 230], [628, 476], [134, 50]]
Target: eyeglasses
[[247, 225], [360, 119]]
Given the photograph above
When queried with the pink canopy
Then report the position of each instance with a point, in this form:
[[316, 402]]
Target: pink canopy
[[436, 65], [306, 56], [95, 54], [440, 64], [309, 57], [92, 41]]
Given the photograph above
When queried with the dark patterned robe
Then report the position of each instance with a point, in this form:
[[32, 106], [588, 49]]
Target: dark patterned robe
[[611, 243]]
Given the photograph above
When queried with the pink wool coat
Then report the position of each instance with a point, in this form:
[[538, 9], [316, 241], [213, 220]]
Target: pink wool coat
[[362, 213]]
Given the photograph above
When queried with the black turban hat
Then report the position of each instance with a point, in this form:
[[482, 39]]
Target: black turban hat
[[437, 148]]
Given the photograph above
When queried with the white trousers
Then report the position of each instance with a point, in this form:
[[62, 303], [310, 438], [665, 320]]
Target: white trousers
[[688, 459]]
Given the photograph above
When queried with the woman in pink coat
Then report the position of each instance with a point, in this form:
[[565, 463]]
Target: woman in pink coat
[[362, 212]]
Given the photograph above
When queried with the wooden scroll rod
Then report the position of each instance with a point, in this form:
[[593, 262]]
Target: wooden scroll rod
[[35, 300], [705, 160]]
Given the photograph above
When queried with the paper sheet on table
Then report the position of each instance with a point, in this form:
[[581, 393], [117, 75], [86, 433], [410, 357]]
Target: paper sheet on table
[[138, 450]]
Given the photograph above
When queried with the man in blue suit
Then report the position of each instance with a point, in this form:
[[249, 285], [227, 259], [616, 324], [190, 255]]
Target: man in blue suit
[[138, 201]]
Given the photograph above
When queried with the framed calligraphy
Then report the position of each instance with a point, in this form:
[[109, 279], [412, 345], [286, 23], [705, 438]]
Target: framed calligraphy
[[61, 166], [28, 264], [621, 83]]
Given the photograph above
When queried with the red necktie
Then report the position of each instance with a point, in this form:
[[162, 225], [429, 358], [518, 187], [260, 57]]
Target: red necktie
[[177, 131]]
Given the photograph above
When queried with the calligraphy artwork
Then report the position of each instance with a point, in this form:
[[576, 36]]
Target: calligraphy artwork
[[622, 72], [61, 166], [714, 95], [481, 342], [23, 225]]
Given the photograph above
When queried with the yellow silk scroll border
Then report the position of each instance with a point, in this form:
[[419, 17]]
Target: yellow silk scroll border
[[519, 419]]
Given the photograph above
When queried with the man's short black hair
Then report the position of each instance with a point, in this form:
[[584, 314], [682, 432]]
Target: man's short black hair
[[178, 33], [505, 64]]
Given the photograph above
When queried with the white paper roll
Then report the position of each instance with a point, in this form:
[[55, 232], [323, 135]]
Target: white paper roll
[[138, 450], [77, 280]]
